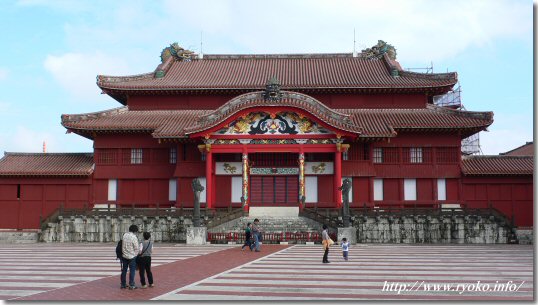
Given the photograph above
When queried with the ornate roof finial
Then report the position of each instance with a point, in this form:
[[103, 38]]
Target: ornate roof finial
[[379, 49], [177, 52], [272, 90]]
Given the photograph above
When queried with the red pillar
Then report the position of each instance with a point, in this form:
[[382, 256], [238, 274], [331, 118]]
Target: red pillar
[[337, 178], [209, 179]]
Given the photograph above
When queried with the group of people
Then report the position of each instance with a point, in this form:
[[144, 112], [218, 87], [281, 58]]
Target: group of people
[[253, 236], [135, 254], [327, 242]]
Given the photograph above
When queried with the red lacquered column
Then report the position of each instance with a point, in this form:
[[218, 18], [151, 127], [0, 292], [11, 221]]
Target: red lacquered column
[[337, 178], [209, 178]]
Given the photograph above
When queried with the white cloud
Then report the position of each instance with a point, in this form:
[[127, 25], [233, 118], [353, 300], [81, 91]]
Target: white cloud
[[76, 72], [506, 133], [26, 139], [420, 29]]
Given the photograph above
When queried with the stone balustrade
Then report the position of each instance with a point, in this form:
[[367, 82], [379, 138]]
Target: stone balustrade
[[369, 229], [111, 229]]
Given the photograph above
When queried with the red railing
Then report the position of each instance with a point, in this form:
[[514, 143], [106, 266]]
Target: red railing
[[268, 238]]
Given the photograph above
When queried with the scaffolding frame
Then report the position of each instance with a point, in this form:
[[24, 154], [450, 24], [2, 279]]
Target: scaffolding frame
[[453, 100]]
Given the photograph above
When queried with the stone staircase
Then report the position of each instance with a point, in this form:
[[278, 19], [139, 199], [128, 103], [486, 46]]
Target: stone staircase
[[270, 225]]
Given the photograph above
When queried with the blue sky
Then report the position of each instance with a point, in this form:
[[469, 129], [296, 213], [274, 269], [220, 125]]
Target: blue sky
[[51, 52]]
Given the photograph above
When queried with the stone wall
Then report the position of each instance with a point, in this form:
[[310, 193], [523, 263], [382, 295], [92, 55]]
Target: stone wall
[[429, 229], [370, 229], [110, 229], [525, 236], [18, 237]]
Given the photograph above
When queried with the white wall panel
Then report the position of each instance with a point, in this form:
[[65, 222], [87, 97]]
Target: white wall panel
[[112, 189], [237, 186], [311, 188], [378, 189], [441, 189], [410, 189]]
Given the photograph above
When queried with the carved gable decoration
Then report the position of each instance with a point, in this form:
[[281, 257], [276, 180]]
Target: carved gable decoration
[[282, 123], [272, 90]]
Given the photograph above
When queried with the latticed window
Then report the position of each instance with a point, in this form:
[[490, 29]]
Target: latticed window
[[281, 159], [427, 154], [415, 155], [378, 155], [391, 155], [447, 155], [106, 156], [158, 156], [173, 155], [312, 157], [345, 155], [358, 152], [136, 156]]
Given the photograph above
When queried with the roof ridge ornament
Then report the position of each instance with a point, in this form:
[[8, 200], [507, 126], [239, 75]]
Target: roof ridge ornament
[[177, 52], [272, 90], [379, 49]]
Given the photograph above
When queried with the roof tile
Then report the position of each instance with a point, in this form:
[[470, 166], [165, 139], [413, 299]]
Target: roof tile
[[370, 122], [293, 72], [46, 164], [497, 165], [524, 150]]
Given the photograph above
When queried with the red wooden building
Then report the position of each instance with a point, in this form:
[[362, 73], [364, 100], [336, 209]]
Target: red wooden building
[[269, 130]]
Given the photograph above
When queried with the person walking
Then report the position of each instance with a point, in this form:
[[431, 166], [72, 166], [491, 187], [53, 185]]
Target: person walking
[[326, 242], [129, 252], [144, 261], [256, 232], [248, 235], [345, 248]]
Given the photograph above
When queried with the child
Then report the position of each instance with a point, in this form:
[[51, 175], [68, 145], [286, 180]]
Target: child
[[144, 258], [345, 248], [248, 234]]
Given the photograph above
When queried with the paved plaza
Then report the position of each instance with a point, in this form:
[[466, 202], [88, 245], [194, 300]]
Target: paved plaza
[[280, 272]]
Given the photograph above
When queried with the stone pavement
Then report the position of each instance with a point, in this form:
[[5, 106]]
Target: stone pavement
[[279, 272]]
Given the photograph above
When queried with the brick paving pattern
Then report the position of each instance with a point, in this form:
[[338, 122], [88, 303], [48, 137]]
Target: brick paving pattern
[[36, 268], [297, 273], [279, 272]]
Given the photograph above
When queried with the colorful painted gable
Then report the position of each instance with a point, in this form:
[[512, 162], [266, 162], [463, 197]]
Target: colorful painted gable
[[281, 123]]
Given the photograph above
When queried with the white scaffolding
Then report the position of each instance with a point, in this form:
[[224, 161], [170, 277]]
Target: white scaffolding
[[452, 100]]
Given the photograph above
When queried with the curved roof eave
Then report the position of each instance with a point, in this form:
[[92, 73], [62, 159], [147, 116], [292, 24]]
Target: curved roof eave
[[326, 115]]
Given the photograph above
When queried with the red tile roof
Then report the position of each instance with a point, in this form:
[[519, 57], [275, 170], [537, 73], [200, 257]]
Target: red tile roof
[[364, 122], [46, 164], [295, 72], [164, 122], [497, 165], [524, 150], [384, 122]]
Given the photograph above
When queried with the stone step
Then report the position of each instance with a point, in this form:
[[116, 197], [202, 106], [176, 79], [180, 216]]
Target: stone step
[[271, 224]]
